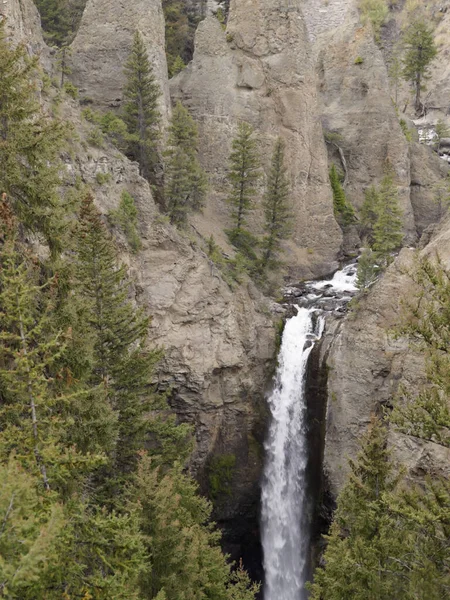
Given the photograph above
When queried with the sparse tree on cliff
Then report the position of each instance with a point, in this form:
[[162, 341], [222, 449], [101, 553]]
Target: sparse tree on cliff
[[343, 210], [277, 212], [185, 180], [387, 229], [141, 111], [420, 51]]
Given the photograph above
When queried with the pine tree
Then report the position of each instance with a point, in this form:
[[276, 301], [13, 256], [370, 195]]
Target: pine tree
[[186, 183], [243, 174], [357, 556], [141, 110], [121, 364], [186, 558], [367, 269], [29, 348], [368, 215], [342, 208], [30, 144], [426, 413], [31, 526], [387, 229], [420, 51], [278, 215]]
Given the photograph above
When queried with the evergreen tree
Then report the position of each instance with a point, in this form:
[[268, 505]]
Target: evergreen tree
[[31, 525], [60, 20], [185, 180], [278, 216], [420, 51], [243, 174], [186, 558], [357, 555], [387, 230], [140, 110], [342, 208], [30, 144], [368, 215], [367, 269], [121, 364], [426, 413]]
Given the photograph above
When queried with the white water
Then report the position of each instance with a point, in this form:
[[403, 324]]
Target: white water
[[285, 526], [342, 281]]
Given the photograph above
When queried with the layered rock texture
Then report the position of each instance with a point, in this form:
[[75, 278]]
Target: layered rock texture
[[260, 70], [103, 43]]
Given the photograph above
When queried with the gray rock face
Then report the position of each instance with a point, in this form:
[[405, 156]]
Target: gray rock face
[[261, 71], [23, 24], [367, 364], [103, 43]]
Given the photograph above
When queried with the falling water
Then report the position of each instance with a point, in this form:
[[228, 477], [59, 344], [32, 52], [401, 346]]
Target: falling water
[[285, 527]]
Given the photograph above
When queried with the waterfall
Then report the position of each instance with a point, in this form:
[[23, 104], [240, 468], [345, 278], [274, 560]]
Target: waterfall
[[284, 518]]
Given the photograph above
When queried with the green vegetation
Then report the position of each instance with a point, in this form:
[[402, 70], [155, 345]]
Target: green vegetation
[[141, 110], [185, 180], [243, 174], [380, 228], [221, 470], [388, 539], [442, 131], [343, 210], [86, 512], [406, 130], [181, 24], [376, 12], [126, 217], [29, 172], [419, 52], [60, 19], [277, 211], [426, 413], [102, 178]]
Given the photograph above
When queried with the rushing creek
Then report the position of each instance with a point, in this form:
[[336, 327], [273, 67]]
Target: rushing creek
[[285, 512]]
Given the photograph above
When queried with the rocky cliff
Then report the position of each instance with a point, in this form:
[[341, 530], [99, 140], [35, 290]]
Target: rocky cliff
[[261, 70]]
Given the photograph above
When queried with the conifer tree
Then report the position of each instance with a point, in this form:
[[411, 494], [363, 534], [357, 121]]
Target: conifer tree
[[121, 364], [357, 555], [278, 215], [28, 350], [31, 526], [367, 269], [185, 180], [30, 144], [420, 51], [186, 557], [387, 230], [426, 413], [243, 174], [343, 210], [368, 215], [141, 111]]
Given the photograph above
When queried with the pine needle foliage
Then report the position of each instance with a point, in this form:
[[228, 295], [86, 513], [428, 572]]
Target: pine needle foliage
[[121, 362], [277, 210], [185, 180], [141, 109], [243, 175], [30, 144], [343, 210], [387, 229], [419, 52], [426, 413]]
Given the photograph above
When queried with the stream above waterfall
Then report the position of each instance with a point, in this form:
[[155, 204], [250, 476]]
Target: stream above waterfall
[[286, 511]]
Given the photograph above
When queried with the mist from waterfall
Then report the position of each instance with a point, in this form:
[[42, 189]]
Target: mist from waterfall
[[284, 518]]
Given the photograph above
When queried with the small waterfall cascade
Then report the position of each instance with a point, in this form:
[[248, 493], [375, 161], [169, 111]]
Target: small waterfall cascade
[[285, 510], [284, 503]]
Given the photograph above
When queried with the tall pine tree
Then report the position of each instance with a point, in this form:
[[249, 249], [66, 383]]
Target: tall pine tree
[[30, 145], [387, 229], [343, 210], [277, 212], [420, 51], [141, 110], [185, 180], [244, 172]]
